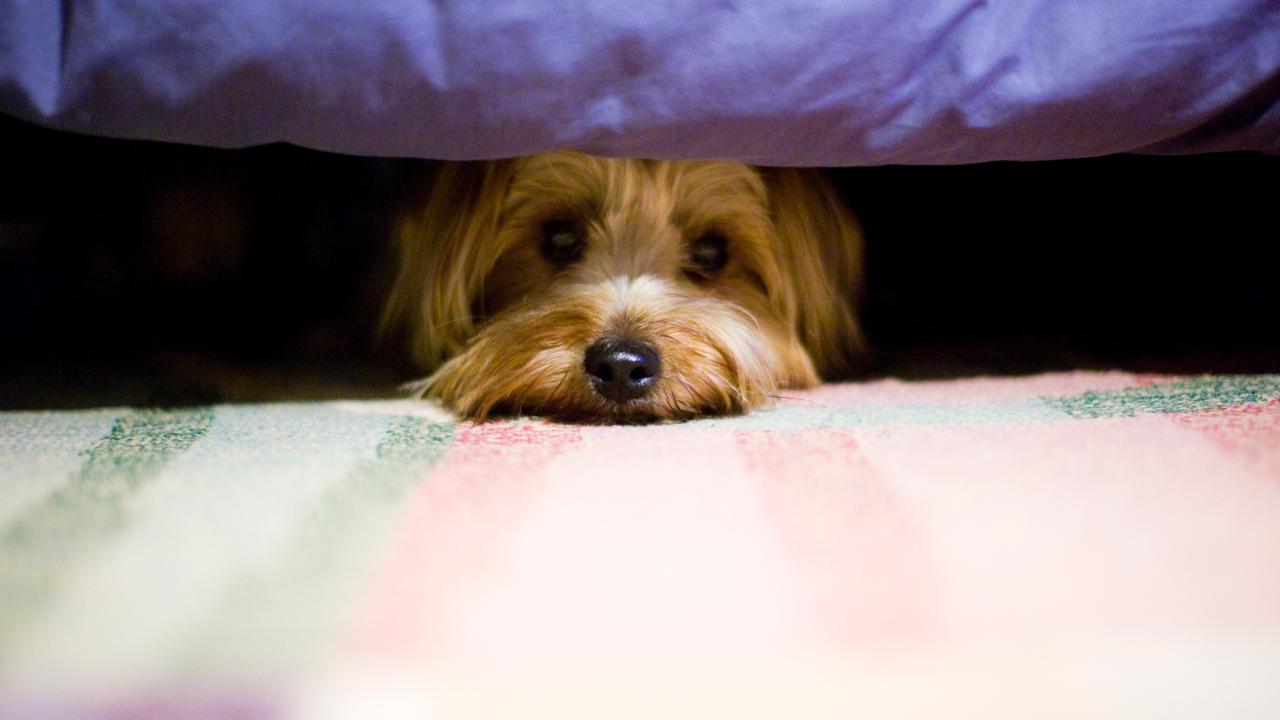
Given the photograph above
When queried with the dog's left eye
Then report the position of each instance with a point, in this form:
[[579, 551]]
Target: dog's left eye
[[562, 242], [709, 253]]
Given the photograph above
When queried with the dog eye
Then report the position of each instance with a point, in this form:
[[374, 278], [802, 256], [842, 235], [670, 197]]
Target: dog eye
[[562, 242], [709, 253]]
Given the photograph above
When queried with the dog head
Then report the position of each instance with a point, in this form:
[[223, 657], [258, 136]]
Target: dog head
[[625, 290]]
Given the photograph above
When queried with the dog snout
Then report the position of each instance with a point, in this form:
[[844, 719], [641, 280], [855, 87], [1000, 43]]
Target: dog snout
[[622, 369]]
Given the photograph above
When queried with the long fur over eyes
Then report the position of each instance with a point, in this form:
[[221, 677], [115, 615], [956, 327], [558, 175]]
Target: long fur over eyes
[[504, 327]]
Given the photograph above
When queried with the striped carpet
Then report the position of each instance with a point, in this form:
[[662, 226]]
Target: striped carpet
[[1065, 545]]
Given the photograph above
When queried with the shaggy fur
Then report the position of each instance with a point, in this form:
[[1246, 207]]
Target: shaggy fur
[[504, 327]]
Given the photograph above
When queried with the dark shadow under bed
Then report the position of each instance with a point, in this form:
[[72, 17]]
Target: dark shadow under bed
[[140, 273]]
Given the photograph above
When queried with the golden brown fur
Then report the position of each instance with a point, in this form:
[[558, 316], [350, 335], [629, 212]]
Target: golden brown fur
[[504, 328]]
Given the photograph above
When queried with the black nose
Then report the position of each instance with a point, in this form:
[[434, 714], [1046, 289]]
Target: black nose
[[622, 370]]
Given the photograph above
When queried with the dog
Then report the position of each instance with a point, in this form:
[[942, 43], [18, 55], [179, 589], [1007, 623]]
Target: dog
[[622, 290]]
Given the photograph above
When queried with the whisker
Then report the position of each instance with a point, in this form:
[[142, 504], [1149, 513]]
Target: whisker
[[559, 388], [455, 321]]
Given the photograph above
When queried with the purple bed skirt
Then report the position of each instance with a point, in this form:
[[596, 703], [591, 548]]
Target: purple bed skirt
[[830, 83]]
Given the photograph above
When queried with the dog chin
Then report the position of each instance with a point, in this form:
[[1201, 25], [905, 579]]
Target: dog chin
[[709, 358]]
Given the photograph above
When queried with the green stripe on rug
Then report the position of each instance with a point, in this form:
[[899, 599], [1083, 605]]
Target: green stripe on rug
[[1210, 392], [279, 616], [40, 450], [46, 541]]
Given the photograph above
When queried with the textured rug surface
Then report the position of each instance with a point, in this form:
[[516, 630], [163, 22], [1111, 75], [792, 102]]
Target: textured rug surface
[[1067, 545]]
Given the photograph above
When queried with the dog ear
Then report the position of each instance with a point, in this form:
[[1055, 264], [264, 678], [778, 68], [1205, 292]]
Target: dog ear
[[443, 257], [821, 249]]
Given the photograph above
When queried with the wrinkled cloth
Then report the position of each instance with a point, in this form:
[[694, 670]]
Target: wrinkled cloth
[[783, 83]]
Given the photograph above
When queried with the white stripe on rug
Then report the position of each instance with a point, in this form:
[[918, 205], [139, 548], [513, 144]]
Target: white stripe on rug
[[213, 513]]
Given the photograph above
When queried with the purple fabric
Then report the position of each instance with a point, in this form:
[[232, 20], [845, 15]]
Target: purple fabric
[[796, 83]]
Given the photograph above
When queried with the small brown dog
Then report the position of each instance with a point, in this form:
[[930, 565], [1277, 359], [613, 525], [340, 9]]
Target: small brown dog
[[613, 290]]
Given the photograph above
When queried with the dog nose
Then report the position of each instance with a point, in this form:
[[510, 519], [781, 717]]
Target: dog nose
[[622, 370]]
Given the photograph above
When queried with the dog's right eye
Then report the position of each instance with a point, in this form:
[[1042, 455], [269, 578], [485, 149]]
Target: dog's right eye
[[709, 254], [562, 242]]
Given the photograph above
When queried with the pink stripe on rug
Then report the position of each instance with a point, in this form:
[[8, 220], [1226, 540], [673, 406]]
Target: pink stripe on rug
[[1249, 433], [969, 390], [1066, 531], [634, 545], [454, 527], [854, 545]]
